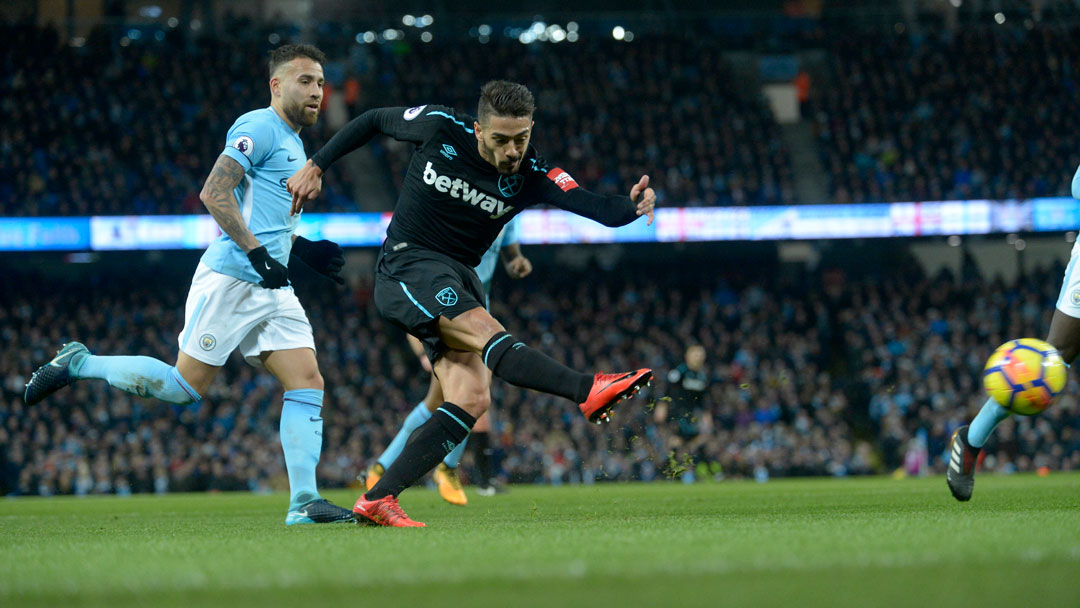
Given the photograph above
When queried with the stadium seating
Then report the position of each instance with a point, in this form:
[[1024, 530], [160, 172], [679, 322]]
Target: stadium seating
[[846, 379], [977, 113], [133, 130]]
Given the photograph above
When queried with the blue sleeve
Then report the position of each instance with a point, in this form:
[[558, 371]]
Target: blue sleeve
[[250, 142], [1076, 184], [512, 232]]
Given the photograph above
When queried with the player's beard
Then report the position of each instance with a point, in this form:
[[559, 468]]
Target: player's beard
[[489, 155], [298, 116]]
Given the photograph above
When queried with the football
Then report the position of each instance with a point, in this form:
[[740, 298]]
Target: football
[[1025, 375]]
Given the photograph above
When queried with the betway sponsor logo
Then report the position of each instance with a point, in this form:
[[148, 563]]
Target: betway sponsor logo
[[462, 189]]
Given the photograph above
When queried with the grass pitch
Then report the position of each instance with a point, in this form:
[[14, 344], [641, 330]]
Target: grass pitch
[[856, 542]]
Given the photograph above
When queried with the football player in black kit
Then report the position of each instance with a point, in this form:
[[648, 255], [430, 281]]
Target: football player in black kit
[[466, 180]]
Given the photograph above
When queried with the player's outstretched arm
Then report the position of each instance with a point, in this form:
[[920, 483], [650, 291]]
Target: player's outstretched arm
[[217, 195], [610, 210], [401, 123]]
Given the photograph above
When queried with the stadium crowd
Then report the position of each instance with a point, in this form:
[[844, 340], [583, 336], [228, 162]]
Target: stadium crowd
[[982, 112], [821, 375], [976, 113], [135, 129], [125, 130], [610, 111]]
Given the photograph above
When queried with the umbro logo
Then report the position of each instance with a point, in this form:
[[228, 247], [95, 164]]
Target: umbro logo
[[448, 151]]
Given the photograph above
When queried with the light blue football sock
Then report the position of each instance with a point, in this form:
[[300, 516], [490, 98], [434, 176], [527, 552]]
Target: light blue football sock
[[985, 422], [301, 440], [142, 376], [418, 416], [453, 459]]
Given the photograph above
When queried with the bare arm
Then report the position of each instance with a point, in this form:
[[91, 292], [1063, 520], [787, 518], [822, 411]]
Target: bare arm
[[418, 350], [516, 264], [217, 195], [510, 252]]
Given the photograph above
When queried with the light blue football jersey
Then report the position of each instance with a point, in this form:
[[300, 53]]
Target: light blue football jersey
[[270, 152], [490, 261]]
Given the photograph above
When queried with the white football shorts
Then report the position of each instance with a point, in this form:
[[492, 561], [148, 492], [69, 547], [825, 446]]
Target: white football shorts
[[1069, 298], [224, 313]]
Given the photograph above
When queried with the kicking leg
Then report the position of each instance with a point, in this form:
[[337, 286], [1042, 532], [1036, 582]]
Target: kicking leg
[[478, 332]]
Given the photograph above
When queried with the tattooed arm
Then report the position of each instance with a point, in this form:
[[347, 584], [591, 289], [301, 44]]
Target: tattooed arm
[[217, 195]]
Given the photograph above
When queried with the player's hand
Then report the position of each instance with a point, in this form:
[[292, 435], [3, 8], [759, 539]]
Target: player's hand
[[519, 267], [648, 198], [275, 275], [425, 362], [324, 257], [305, 185]]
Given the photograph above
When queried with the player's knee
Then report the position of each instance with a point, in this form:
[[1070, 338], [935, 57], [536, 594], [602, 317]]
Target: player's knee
[[1068, 352], [476, 403], [474, 398], [315, 380], [474, 328]]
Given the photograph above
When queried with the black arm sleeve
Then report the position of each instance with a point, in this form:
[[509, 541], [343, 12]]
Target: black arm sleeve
[[403, 124], [610, 210]]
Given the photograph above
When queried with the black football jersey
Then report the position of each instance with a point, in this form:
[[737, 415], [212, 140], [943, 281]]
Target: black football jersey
[[452, 200]]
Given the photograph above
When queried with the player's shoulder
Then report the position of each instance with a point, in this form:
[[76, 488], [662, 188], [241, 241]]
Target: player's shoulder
[[260, 116], [433, 119], [538, 168], [263, 123]]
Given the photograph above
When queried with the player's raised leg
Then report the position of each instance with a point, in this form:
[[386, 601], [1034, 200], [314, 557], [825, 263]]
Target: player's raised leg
[[466, 386], [142, 376], [301, 434], [517, 363]]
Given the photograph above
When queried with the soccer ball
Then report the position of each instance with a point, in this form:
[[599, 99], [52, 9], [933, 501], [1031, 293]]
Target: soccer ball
[[1025, 375]]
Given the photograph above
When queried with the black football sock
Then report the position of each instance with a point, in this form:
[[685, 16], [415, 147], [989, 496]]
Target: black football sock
[[481, 442], [527, 367], [426, 447]]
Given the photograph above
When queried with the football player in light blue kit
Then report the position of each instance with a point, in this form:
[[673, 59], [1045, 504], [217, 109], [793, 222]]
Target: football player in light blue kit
[[507, 248], [240, 295], [967, 441]]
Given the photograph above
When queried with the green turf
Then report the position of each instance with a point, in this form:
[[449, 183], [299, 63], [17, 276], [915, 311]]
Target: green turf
[[866, 542]]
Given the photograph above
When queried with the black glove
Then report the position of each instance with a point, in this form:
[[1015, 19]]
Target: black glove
[[275, 275], [324, 257]]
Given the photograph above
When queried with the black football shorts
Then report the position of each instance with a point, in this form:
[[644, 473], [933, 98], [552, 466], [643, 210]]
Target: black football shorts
[[415, 286]]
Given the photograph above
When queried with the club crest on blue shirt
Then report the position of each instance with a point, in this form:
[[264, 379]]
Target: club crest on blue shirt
[[244, 144], [447, 297], [510, 185]]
